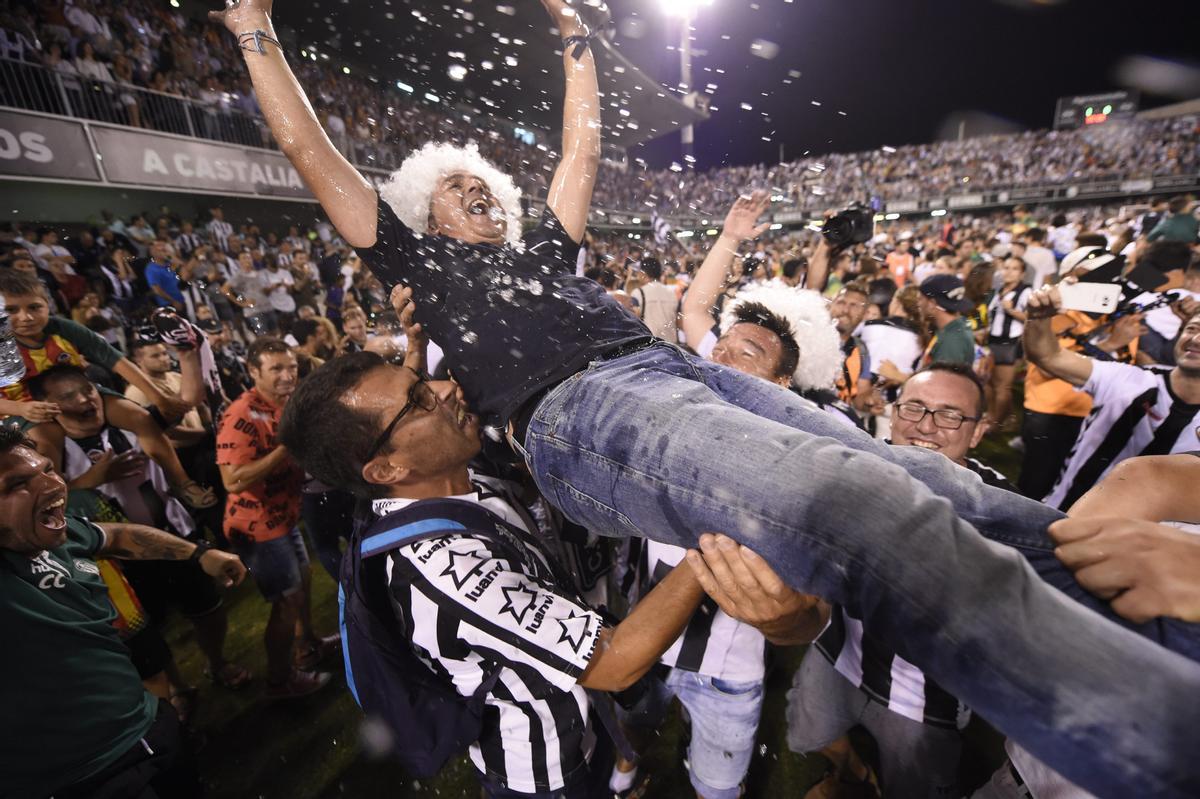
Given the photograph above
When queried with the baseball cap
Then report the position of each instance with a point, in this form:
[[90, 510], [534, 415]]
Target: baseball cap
[[1087, 257], [948, 292]]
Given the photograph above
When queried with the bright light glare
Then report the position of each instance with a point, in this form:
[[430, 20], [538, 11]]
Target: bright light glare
[[938, 212], [684, 8]]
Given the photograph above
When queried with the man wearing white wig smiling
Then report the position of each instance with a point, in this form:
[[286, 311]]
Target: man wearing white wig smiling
[[630, 436]]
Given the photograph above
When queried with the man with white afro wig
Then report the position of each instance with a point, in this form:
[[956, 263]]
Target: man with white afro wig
[[628, 435], [411, 188], [800, 319]]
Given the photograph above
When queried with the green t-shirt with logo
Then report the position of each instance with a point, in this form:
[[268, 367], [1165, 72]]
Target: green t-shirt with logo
[[69, 687]]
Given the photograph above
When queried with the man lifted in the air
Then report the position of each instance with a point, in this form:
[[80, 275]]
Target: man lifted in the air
[[630, 436]]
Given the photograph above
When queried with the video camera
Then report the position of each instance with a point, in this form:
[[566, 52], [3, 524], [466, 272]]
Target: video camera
[[854, 224]]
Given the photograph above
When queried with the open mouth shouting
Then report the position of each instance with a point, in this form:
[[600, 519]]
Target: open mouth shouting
[[53, 514]]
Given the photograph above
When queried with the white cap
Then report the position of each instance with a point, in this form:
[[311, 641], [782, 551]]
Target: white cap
[[1087, 257]]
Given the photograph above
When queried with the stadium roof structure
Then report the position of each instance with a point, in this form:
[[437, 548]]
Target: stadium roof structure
[[500, 59]]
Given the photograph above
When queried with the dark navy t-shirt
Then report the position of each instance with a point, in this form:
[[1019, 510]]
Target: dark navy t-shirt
[[510, 321]]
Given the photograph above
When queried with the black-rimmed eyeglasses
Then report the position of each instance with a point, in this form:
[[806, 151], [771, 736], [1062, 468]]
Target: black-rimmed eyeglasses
[[945, 419], [421, 395]]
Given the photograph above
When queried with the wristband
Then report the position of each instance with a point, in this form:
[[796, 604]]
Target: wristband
[[580, 42], [252, 41], [202, 546]]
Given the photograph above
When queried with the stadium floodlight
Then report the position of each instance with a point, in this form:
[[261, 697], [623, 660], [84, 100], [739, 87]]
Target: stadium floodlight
[[684, 8]]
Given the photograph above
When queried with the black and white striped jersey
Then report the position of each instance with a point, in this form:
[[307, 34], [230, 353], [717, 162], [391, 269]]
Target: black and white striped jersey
[[1134, 412], [884, 676], [469, 606], [713, 644], [219, 232], [1003, 325]]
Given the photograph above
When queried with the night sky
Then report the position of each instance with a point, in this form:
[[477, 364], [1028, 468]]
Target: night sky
[[899, 71]]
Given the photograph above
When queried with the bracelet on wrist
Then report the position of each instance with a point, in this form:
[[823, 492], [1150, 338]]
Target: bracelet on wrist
[[579, 42], [252, 42], [202, 546]]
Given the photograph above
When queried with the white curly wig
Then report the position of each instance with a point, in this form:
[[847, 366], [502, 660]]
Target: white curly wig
[[816, 334], [409, 191]]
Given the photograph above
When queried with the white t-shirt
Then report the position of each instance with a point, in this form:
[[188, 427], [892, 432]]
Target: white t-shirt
[[1163, 320], [1042, 261], [281, 296]]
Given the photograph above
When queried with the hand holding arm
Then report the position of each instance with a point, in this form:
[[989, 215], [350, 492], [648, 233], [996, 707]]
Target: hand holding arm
[[748, 589], [1146, 570], [741, 223], [418, 343]]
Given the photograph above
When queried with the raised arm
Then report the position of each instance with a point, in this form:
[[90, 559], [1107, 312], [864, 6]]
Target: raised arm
[[570, 192], [740, 224], [1041, 344], [346, 196]]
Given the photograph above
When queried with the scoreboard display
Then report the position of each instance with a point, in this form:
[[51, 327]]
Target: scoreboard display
[[1085, 110]]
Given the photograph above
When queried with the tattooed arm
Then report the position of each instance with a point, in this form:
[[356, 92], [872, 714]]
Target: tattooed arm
[[139, 542]]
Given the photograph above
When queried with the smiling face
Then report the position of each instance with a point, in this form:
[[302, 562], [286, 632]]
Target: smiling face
[[1187, 349], [939, 391], [463, 208], [847, 310], [276, 375], [33, 499]]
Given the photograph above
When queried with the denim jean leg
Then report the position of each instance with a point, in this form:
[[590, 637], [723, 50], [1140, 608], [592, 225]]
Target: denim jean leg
[[997, 514], [642, 446]]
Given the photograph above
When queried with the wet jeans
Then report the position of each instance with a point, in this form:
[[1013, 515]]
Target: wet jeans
[[664, 445]]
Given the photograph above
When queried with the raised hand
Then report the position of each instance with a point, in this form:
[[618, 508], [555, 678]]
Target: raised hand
[[243, 16], [1044, 303], [565, 17], [742, 220]]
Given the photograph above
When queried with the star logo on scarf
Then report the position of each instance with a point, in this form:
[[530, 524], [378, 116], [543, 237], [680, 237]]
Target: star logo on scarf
[[462, 566], [518, 600], [575, 629]]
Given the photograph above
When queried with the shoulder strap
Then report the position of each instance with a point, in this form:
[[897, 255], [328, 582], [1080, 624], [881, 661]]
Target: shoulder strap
[[426, 518]]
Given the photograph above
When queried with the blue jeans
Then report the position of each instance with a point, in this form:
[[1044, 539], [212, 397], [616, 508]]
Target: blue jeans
[[667, 446], [724, 720]]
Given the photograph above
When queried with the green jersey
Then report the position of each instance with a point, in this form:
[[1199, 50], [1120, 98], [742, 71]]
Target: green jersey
[[70, 690]]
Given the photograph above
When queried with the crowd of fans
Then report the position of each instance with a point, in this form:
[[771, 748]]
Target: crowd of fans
[[126, 308], [188, 399], [105, 53]]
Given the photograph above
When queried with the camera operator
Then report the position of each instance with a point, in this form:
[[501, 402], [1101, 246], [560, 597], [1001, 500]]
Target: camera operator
[[1136, 410]]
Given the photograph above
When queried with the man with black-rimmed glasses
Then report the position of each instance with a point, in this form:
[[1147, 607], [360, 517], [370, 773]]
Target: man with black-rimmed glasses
[[853, 678]]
